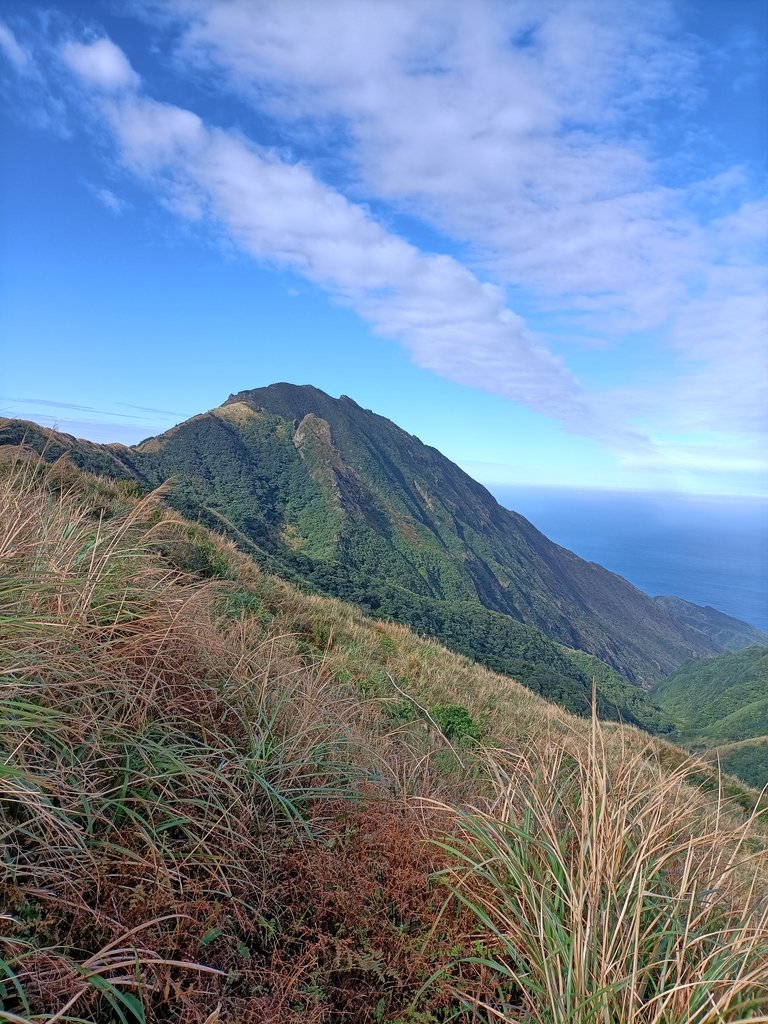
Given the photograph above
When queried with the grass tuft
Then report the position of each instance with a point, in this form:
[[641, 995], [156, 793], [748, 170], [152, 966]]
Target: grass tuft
[[612, 893]]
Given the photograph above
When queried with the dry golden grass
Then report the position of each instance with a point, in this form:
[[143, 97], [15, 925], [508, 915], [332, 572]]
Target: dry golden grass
[[614, 892], [216, 805], [165, 766]]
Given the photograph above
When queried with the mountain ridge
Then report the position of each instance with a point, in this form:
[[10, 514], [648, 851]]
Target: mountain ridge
[[289, 400], [346, 500]]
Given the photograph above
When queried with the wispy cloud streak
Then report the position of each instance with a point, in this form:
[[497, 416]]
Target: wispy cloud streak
[[535, 134], [281, 213], [531, 136]]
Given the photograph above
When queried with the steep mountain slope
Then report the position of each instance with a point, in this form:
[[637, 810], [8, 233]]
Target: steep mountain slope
[[720, 706], [727, 633], [339, 487], [724, 698], [223, 799], [326, 492]]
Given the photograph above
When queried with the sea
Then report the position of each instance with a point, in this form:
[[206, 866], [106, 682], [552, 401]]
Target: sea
[[711, 550]]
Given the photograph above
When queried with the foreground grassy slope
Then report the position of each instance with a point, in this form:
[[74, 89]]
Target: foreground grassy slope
[[720, 705], [342, 500], [223, 800], [256, 489]]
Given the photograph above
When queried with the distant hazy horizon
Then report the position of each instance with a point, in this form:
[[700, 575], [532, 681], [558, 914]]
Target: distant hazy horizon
[[711, 550]]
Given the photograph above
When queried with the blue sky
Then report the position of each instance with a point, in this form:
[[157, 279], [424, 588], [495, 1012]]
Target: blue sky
[[530, 232]]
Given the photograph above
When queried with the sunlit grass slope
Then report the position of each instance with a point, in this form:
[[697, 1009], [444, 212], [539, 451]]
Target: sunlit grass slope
[[224, 800], [720, 709]]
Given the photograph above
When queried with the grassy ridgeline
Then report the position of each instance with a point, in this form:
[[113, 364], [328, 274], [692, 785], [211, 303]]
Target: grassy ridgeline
[[720, 708], [224, 800]]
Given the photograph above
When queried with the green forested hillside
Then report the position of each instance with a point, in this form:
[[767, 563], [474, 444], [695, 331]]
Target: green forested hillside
[[727, 633], [723, 698], [747, 760], [344, 502], [720, 705]]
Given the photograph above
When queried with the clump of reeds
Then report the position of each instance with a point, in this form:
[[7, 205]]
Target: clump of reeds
[[147, 757], [612, 891]]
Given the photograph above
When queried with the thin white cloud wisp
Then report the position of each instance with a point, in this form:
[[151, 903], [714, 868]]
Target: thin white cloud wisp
[[101, 64], [282, 214], [12, 49], [531, 132]]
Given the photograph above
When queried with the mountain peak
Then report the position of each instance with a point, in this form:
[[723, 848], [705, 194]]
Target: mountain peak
[[391, 512], [279, 389], [344, 499]]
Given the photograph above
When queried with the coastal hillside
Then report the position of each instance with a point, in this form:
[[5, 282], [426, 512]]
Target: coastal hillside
[[558, 673], [299, 722], [720, 707], [225, 800], [335, 497]]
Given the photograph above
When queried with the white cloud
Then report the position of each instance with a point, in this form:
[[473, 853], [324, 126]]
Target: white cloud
[[522, 131], [100, 64], [155, 135], [516, 149], [108, 199], [705, 456], [528, 131], [14, 52], [282, 214]]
